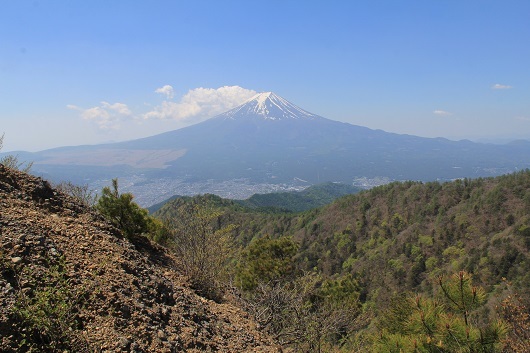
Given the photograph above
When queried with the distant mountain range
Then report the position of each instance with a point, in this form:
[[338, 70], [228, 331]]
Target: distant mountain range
[[269, 140]]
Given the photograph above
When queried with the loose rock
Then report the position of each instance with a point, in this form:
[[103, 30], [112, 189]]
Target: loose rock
[[127, 295]]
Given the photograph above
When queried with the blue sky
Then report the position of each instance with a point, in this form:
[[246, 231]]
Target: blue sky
[[87, 72]]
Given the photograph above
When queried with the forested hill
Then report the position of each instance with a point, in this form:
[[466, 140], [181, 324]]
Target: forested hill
[[314, 196], [400, 236], [297, 201]]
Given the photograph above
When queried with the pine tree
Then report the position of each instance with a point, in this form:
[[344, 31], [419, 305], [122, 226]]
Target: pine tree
[[120, 209], [444, 324]]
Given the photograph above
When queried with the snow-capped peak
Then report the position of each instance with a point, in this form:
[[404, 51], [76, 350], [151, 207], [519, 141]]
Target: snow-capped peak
[[269, 106], [261, 97]]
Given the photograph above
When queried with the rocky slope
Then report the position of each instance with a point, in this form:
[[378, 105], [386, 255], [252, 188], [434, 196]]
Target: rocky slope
[[119, 295]]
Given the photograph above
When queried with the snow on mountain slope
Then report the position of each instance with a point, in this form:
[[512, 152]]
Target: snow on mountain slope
[[268, 106]]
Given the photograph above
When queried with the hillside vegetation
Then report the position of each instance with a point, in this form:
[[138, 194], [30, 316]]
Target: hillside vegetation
[[71, 282], [298, 201], [396, 239], [280, 202], [405, 267], [404, 232]]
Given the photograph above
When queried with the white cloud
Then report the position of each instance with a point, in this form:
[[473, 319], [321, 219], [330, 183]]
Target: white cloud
[[499, 86], [167, 90], [119, 108], [95, 113], [106, 116], [196, 105], [522, 118], [73, 107], [442, 113], [201, 103]]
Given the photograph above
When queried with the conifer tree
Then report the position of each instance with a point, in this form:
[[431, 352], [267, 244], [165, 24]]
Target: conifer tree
[[120, 209], [441, 325], [264, 260]]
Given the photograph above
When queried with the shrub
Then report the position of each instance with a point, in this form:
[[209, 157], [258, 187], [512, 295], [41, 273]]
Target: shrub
[[203, 247], [82, 193], [11, 161], [121, 211], [48, 314], [515, 312], [307, 313]]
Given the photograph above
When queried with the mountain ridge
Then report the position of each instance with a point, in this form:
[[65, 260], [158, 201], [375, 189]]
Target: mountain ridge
[[261, 142]]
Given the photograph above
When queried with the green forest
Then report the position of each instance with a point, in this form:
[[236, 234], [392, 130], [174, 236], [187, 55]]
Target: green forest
[[378, 262]]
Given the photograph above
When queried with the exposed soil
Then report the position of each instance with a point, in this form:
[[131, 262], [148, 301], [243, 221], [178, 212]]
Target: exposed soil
[[128, 295]]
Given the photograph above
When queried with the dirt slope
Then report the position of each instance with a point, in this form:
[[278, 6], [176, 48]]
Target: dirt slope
[[127, 296]]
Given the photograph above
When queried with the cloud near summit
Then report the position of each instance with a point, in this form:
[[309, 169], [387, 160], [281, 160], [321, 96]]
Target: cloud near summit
[[200, 103], [196, 105]]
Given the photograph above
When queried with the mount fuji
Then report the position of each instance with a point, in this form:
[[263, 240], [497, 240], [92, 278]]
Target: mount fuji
[[267, 139], [268, 106]]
